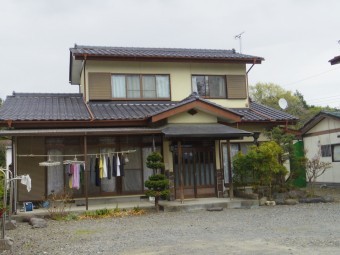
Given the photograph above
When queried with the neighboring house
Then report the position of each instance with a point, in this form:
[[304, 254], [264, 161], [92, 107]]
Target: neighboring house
[[321, 134], [192, 105]]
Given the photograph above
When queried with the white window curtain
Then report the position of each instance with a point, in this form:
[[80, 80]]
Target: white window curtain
[[118, 86], [149, 86], [336, 152], [163, 86], [133, 86], [194, 84]]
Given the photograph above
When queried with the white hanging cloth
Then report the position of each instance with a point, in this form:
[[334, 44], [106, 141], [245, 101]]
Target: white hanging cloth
[[26, 180], [118, 166]]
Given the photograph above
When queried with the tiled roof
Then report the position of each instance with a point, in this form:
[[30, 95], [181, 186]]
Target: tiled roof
[[44, 106], [126, 110], [333, 114], [48, 107], [171, 53], [258, 112]]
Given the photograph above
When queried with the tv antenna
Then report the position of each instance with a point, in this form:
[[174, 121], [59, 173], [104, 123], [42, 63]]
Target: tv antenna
[[239, 37]]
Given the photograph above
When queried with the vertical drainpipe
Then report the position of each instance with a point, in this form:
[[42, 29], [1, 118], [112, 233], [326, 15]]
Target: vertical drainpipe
[[14, 166], [254, 61], [86, 169], [85, 57], [231, 186]]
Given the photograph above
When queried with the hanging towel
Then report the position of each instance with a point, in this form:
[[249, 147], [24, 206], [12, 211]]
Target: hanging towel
[[104, 167], [76, 176], [26, 180], [118, 166]]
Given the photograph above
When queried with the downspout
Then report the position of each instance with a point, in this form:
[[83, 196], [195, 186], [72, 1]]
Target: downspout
[[15, 172], [85, 57], [254, 62]]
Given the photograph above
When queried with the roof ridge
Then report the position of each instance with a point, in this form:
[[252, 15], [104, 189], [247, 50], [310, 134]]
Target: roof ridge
[[149, 48], [33, 94]]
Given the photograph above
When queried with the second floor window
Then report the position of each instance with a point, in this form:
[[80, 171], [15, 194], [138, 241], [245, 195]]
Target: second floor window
[[209, 86], [134, 86]]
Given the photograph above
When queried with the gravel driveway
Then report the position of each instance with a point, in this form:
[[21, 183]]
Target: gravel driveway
[[300, 229]]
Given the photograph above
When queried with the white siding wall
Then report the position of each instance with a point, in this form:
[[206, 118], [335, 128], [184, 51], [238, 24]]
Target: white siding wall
[[311, 147]]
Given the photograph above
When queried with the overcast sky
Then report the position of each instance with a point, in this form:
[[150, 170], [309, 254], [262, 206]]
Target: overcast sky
[[297, 38]]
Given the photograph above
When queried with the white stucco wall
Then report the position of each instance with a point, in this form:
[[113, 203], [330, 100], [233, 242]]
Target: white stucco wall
[[311, 145]]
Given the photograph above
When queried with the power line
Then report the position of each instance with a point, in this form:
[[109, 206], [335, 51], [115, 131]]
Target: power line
[[311, 77]]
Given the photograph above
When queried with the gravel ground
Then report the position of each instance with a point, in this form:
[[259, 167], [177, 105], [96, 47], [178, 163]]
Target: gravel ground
[[300, 229]]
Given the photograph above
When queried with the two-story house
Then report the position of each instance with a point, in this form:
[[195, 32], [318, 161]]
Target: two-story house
[[192, 105]]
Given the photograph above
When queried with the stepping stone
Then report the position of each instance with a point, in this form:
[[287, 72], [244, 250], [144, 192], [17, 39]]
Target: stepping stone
[[215, 209]]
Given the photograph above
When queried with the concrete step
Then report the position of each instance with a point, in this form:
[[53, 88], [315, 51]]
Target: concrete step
[[199, 204]]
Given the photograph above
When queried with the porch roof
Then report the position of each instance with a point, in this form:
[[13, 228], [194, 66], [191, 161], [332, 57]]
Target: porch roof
[[216, 131], [31, 108], [79, 131]]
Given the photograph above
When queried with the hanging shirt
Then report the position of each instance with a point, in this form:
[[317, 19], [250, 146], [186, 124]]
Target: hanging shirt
[[122, 165], [96, 167], [109, 168], [93, 170], [114, 166], [104, 167], [101, 167], [82, 173]]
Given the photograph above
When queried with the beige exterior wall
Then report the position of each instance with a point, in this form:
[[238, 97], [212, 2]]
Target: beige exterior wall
[[325, 124], [180, 75], [199, 117], [311, 146]]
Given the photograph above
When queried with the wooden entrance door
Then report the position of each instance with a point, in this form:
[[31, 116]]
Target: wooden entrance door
[[197, 164]]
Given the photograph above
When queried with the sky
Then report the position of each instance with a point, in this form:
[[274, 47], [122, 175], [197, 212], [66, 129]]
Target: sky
[[297, 38]]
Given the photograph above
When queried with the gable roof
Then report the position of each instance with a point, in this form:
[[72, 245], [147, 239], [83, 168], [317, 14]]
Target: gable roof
[[134, 53], [317, 118], [44, 106], [71, 107], [195, 101], [80, 52]]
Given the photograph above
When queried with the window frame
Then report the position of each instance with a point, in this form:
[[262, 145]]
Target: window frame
[[326, 150], [335, 145], [211, 75], [141, 87]]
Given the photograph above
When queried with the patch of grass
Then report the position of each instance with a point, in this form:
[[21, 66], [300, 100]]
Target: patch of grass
[[84, 232], [112, 213]]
